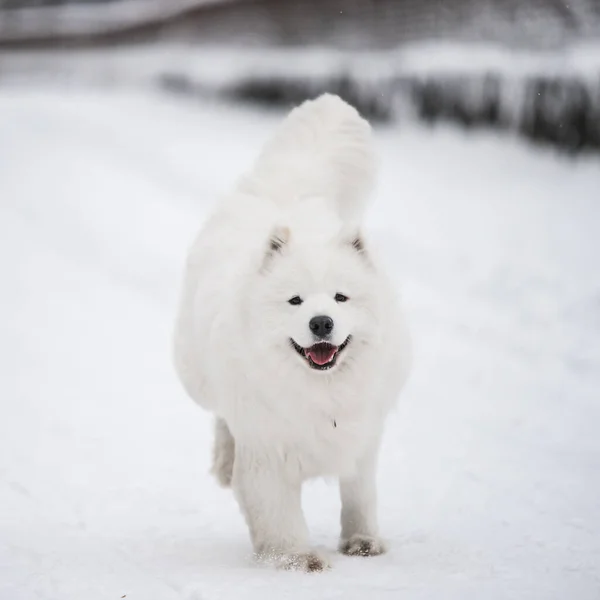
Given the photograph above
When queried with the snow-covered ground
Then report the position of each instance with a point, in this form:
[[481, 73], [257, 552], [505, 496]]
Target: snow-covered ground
[[490, 478], [216, 66]]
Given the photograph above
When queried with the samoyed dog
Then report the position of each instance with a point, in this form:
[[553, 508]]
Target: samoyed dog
[[291, 334]]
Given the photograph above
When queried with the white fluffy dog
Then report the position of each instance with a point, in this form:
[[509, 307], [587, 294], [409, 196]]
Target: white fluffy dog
[[289, 332]]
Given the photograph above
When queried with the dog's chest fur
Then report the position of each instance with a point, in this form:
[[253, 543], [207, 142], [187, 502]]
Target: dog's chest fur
[[335, 447], [317, 431]]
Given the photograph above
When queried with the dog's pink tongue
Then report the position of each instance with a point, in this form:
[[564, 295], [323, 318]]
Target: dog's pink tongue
[[321, 354]]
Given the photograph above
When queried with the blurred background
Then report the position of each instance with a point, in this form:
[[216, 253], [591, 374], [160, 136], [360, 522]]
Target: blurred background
[[123, 121], [387, 56]]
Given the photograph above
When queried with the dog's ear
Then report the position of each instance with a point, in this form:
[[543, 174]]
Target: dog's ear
[[356, 241], [280, 236], [278, 239]]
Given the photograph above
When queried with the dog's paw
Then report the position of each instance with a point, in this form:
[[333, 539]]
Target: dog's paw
[[306, 562], [363, 545]]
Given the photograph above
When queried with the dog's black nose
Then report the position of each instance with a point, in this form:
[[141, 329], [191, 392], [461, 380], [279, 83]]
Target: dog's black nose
[[321, 326]]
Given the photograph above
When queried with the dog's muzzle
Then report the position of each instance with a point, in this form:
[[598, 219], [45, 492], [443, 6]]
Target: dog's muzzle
[[321, 355]]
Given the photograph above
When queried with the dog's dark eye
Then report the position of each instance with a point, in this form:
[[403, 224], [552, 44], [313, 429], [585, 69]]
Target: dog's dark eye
[[341, 298], [295, 301]]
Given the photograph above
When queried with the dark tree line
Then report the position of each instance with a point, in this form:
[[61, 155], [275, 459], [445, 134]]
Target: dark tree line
[[561, 111]]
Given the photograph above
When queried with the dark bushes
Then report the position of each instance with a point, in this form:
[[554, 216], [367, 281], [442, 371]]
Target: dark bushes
[[557, 110]]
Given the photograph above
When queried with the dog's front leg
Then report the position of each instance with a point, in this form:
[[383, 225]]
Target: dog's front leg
[[270, 500], [360, 532]]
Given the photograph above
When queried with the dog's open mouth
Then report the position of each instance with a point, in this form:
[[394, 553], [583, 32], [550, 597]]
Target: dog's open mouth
[[322, 355]]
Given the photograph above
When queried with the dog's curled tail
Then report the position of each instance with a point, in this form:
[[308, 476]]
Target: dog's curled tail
[[323, 149]]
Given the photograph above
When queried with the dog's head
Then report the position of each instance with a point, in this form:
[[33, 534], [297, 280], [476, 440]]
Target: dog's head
[[314, 302]]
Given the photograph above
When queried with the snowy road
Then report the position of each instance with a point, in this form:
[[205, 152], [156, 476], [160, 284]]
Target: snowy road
[[490, 479]]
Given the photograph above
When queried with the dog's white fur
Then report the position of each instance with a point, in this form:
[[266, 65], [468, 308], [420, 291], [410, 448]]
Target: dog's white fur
[[291, 227]]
